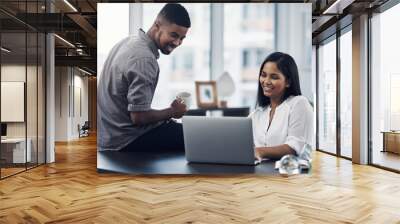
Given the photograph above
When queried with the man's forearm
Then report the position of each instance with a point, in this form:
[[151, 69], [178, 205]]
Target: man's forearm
[[151, 116]]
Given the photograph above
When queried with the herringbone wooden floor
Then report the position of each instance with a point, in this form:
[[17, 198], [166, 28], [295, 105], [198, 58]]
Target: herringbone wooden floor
[[71, 191]]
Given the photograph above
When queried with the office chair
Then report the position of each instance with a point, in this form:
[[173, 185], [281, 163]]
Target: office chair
[[84, 130]]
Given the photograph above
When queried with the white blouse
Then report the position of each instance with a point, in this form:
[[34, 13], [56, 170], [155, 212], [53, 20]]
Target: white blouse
[[292, 124]]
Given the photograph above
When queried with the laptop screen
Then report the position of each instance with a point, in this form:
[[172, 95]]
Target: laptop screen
[[3, 129]]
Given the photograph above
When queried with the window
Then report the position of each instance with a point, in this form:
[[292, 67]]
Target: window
[[22, 76], [394, 101], [327, 97], [188, 62], [248, 37], [261, 54], [385, 86], [245, 59], [346, 94], [250, 45], [108, 34], [245, 11]]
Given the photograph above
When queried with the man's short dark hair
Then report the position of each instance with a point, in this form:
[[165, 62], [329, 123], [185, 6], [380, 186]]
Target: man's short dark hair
[[175, 13]]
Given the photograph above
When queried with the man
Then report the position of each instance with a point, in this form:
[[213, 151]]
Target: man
[[126, 88]]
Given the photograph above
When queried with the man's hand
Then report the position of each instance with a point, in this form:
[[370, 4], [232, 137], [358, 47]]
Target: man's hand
[[178, 108]]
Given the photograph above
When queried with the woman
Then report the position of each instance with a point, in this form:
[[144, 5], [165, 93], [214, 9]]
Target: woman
[[283, 119]]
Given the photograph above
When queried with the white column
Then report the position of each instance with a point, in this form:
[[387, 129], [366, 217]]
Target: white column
[[293, 36], [217, 40], [135, 17], [71, 105], [50, 98], [61, 105], [360, 90]]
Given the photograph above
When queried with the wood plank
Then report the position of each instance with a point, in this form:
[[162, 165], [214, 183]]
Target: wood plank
[[71, 191]]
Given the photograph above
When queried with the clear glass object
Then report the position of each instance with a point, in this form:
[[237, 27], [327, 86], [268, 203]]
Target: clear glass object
[[306, 153], [305, 157], [289, 165]]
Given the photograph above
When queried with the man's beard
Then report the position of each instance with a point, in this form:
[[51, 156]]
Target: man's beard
[[162, 49], [165, 51]]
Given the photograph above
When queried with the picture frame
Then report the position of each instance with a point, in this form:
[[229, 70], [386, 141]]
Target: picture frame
[[206, 94]]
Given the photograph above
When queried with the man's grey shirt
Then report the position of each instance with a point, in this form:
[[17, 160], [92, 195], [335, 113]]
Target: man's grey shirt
[[127, 84]]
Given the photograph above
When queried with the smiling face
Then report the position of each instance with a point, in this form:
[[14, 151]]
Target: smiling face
[[273, 82], [169, 36]]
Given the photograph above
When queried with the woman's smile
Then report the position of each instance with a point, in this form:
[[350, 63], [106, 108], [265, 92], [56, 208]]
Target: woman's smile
[[268, 88]]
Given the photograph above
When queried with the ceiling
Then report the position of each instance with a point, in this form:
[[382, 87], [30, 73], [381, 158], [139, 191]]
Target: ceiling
[[331, 15], [77, 25], [76, 22]]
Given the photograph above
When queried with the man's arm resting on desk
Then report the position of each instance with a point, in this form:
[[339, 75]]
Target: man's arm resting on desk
[[176, 110], [151, 116]]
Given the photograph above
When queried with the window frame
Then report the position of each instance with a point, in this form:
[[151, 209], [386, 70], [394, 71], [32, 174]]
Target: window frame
[[334, 37]]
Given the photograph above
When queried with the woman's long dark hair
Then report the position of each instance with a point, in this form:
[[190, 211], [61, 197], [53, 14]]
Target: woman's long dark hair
[[288, 67]]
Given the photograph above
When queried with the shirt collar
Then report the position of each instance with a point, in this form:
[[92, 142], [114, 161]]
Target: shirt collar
[[281, 104], [153, 47]]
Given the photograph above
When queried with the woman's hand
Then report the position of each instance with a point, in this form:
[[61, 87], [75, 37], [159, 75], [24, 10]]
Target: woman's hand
[[258, 153], [273, 152]]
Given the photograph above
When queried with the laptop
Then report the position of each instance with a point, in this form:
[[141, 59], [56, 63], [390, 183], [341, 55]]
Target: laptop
[[226, 140]]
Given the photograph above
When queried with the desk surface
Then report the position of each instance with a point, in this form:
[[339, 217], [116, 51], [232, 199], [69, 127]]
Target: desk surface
[[170, 163], [390, 132], [220, 108], [13, 140]]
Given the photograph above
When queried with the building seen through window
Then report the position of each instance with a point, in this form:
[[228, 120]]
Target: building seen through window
[[249, 36]]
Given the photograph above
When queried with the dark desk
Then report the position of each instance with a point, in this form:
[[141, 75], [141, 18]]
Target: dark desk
[[170, 163], [229, 111]]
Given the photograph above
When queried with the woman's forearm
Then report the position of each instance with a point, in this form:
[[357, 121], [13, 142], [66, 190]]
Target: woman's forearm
[[275, 152]]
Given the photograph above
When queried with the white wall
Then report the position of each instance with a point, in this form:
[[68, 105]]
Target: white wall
[[70, 83], [80, 83], [33, 126], [15, 73], [61, 103]]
